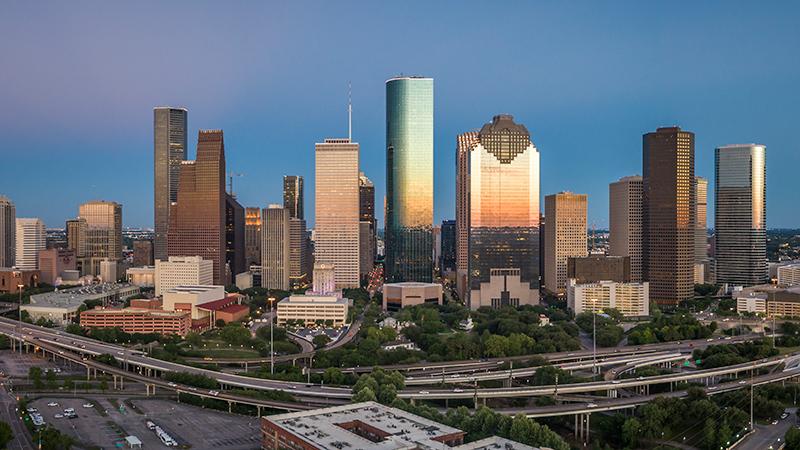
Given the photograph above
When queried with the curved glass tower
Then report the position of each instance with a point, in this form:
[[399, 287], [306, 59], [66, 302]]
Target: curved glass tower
[[409, 179]]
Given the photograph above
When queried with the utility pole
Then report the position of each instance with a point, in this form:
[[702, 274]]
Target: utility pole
[[19, 324], [752, 387], [271, 349]]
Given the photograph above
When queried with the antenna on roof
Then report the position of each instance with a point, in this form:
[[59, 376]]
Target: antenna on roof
[[349, 111]]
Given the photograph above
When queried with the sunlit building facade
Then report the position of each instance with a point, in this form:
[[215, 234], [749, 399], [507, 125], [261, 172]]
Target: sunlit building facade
[[564, 237], [252, 236], [169, 150], [625, 222], [409, 179], [740, 223], [30, 240], [101, 238], [497, 215]]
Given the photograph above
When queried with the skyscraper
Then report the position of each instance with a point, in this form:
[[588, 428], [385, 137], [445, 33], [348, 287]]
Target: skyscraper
[[275, 249], [701, 230], [293, 195], [337, 209], [367, 240], [299, 255], [409, 179], [740, 219], [31, 239], [197, 219], [169, 150], [143, 253], [565, 236], [234, 238], [668, 214], [625, 222], [497, 215], [101, 238], [448, 252], [252, 236], [8, 230], [76, 232]]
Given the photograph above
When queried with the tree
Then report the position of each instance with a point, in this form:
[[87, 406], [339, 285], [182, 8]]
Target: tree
[[51, 379], [333, 375], [321, 340], [194, 339], [103, 385], [35, 374], [792, 439], [631, 430], [364, 395], [5, 434]]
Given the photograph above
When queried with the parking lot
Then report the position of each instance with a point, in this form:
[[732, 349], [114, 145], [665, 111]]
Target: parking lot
[[16, 365], [189, 425]]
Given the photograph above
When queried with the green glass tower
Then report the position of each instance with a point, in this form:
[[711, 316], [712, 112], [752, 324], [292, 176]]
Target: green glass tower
[[409, 179]]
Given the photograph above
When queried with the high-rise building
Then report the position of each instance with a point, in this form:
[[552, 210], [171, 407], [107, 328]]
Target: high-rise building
[[497, 215], [299, 256], [668, 214], [448, 249], [197, 219], [367, 227], [275, 258], [625, 222], [101, 238], [143, 253], [8, 229], [183, 271], [53, 262], [169, 151], [701, 208], [31, 239], [234, 238], [337, 209], [740, 220], [252, 236], [76, 232], [565, 236], [409, 179], [293, 195]]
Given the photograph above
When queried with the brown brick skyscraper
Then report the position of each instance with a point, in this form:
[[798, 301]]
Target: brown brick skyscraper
[[668, 214], [197, 219]]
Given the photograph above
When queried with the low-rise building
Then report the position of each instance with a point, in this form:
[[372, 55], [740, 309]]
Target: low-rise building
[[789, 275], [774, 301], [11, 278], [368, 425], [206, 304], [53, 262], [399, 295], [399, 344], [138, 320], [630, 299], [144, 276], [591, 269], [310, 310], [183, 271], [61, 307], [753, 303]]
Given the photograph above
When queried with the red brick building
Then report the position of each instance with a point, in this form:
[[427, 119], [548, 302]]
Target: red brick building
[[138, 320]]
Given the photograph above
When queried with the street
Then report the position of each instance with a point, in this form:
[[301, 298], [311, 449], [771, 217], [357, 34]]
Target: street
[[8, 414], [766, 436]]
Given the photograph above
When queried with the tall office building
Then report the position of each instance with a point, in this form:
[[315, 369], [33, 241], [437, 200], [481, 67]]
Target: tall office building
[[447, 264], [197, 219], [293, 195], [169, 150], [625, 222], [101, 238], [31, 239], [701, 219], [565, 237], [409, 179], [497, 215], [76, 231], [367, 226], [8, 229], [668, 214], [234, 238], [299, 255], [143, 253], [740, 220], [275, 250], [252, 236], [337, 209]]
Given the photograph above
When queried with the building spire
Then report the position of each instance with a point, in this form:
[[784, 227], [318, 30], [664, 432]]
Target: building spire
[[349, 112]]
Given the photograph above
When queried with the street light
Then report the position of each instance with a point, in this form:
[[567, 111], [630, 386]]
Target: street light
[[19, 310]]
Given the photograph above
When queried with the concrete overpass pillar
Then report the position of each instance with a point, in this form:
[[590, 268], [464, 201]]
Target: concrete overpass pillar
[[230, 407], [88, 373]]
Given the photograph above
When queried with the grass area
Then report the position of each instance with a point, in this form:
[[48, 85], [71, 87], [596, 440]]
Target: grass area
[[787, 350]]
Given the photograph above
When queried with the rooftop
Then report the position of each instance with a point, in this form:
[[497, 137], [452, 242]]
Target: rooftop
[[411, 284], [74, 297]]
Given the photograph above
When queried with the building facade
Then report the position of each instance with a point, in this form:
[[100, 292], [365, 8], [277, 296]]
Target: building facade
[[293, 195], [497, 213], [183, 271], [138, 320], [299, 255], [30, 239], [169, 151], [367, 225], [143, 253], [76, 231], [101, 237], [593, 268], [397, 296], [740, 220], [275, 257], [789, 275], [337, 209], [565, 237], [53, 262], [252, 236], [409, 179], [447, 263], [8, 232], [668, 219], [625, 222], [197, 219], [630, 299], [234, 238], [311, 310]]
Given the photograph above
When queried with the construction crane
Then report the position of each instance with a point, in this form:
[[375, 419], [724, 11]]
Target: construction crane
[[230, 182]]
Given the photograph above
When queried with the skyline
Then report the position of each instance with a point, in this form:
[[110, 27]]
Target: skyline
[[586, 81]]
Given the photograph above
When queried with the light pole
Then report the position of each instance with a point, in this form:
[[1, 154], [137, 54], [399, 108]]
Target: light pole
[[271, 350], [19, 310]]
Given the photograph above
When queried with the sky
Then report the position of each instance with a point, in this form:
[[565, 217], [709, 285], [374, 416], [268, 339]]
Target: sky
[[79, 80]]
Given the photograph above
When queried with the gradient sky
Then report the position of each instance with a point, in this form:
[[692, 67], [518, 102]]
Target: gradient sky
[[78, 81]]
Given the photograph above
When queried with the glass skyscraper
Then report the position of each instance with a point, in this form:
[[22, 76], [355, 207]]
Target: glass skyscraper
[[497, 215], [409, 179], [740, 214], [170, 150]]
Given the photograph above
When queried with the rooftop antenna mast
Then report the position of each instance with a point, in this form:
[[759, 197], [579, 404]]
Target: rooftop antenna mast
[[349, 111]]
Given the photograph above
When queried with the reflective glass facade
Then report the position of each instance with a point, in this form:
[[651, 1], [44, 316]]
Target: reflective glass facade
[[497, 213], [170, 149], [740, 214], [409, 179]]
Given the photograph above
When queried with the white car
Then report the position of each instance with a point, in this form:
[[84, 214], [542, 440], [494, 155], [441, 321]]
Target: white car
[[171, 384], [615, 381], [214, 393], [591, 405], [52, 404], [88, 405], [743, 382], [59, 416], [457, 390], [424, 392]]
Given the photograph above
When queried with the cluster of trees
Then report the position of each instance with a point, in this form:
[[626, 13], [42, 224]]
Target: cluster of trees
[[117, 335], [379, 385], [730, 354], [665, 328], [191, 379], [790, 334], [605, 326], [5, 434], [792, 439]]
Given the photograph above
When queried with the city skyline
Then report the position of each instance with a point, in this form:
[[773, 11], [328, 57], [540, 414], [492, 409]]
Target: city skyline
[[615, 104]]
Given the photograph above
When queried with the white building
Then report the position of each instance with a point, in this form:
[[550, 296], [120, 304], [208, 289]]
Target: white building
[[108, 271], [187, 298], [505, 287], [789, 275], [751, 302], [183, 270], [630, 299], [336, 232], [324, 279], [31, 238], [144, 276], [313, 309]]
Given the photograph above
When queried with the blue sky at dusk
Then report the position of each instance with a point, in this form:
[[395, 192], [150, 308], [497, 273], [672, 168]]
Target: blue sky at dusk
[[78, 81]]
